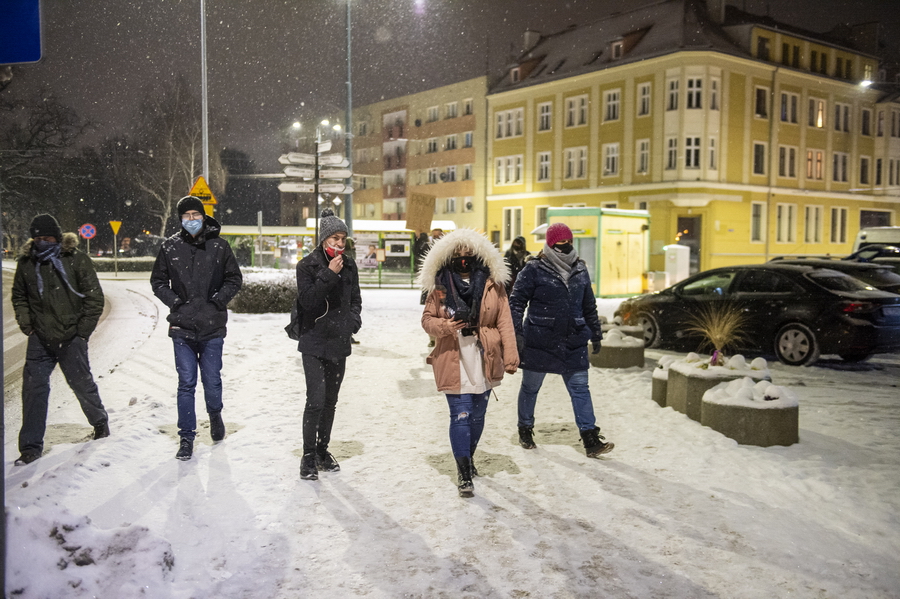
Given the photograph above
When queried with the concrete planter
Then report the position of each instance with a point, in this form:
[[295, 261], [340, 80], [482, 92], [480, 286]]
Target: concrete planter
[[632, 331], [753, 426], [658, 391], [618, 357], [684, 390]]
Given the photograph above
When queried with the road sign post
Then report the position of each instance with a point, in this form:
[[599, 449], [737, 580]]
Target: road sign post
[[115, 224], [87, 232]]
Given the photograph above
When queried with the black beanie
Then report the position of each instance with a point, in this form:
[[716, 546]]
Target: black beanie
[[188, 203], [45, 225]]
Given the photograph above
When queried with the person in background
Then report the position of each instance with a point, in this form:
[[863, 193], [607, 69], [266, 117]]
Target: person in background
[[196, 275], [330, 305], [562, 317], [58, 301], [468, 313], [516, 256]]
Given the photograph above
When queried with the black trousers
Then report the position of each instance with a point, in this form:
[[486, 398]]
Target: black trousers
[[323, 383]]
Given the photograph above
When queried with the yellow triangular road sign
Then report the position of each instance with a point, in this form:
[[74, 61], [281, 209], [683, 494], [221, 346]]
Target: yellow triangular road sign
[[115, 224], [201, 190]]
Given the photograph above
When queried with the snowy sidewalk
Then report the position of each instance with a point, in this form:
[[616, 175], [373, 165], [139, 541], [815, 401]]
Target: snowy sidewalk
[[676, 510]]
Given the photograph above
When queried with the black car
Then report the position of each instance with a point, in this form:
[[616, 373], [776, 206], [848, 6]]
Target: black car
[[876, 250], [795, 311], [877, 275]]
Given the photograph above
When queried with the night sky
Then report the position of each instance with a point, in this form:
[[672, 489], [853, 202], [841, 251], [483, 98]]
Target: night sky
[[271, 62]]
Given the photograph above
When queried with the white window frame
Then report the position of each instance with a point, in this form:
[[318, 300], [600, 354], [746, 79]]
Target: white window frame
[[816, 110], [713, 156], [761, 102], [450, 172], [451, 110], [694, 93], [433, 113], [611, 160], [509, 123], [839, 219], [813, 222], [787, 162], [545, 117], [450, 142], [759, 166], [508, 170], [865, 166], [757, 222], [576, 163], [512, 223], [671, 153], [672, 94], [841, 117], [540, 218], [785, 223], [642, 151], [467, 139], [714, 93], [612, 100], [790, 106], [645, 91], [865, 122], [544, 165], [432, 145], [449, 205], [576, 111], [840, 167], [815, 167], [692, 151], [432, 176], [468, 105]]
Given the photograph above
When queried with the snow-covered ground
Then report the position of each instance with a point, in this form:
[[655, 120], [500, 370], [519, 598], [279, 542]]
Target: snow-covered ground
[[675, 511]]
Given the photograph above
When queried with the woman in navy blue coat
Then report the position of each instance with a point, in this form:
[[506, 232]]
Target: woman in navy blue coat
[[553, 335]]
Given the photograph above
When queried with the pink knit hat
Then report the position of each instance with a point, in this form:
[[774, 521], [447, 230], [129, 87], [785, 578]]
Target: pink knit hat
[[558, 232]]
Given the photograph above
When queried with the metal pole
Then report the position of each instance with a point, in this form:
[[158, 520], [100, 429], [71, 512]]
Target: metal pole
[[348, 198], [2, 444], [316, 182], [204, 95]]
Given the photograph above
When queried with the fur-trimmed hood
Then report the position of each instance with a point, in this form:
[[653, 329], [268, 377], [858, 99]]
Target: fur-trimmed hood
[[68, 244], [442, 251]]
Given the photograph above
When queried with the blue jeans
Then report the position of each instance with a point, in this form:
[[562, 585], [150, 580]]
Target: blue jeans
[[577, 386], [466, 421], [188, 356]]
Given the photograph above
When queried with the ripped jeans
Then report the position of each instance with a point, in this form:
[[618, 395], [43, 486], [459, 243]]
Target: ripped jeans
[[466, 421]]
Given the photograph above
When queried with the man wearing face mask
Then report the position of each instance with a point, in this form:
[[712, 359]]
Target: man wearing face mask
[[553, 336], [196, 275], [58, 301], [329, 305]]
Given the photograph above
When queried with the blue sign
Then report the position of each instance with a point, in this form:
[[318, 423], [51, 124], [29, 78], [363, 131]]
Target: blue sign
[[20, 31], [87, 231]]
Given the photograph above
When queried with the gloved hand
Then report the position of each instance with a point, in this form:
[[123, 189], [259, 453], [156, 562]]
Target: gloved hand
[[595, 347], [520, 344]]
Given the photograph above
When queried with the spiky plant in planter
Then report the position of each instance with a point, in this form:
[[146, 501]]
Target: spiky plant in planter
[[722, 326]]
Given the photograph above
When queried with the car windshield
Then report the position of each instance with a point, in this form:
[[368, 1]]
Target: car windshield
[[837, 281]]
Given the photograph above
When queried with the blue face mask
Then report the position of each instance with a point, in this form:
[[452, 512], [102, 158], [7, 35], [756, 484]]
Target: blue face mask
[[192, 226]]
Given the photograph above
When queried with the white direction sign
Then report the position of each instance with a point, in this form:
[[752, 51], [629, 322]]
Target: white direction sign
[[296, 171], [283, 159], [334, 160], [289, 187], [298, 158], [323, 146], [335, 188], [338, 173]]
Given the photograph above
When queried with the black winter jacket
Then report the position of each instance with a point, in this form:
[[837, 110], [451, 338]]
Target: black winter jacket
[[196, 277], [330, 306], [58, 315], [560, 320]]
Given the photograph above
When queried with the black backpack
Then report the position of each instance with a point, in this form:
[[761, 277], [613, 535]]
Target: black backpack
[[293, 329]]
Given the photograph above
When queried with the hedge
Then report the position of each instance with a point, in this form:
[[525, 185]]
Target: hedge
[[144, 264], [269, 296]]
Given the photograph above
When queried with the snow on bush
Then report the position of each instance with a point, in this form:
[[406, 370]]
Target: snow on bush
[[72, 554], [695, 365], [752, 394], [616, 338], [662, 367]]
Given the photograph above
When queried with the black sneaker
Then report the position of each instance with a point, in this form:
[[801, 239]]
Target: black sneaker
[[27, 457], [216, 426], [101, 431], [326, 462], [526, 437], [594, 445], [186, 450], [308, 469]]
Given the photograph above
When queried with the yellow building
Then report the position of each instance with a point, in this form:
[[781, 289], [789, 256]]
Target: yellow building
[[744, 138]]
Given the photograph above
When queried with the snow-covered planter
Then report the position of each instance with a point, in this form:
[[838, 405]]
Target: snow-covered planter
[[752, 412], [660, 380], [619, 350], [630, 330], [692, 376]]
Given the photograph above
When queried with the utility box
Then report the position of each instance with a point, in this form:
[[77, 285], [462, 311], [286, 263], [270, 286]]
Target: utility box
[[614, 244], [657, 280], [678, 262]]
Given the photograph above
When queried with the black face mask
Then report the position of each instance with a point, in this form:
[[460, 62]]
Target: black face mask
[[462, 264], [563, 248]]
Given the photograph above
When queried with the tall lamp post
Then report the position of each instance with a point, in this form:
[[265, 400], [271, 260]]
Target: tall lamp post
[[348, 198]]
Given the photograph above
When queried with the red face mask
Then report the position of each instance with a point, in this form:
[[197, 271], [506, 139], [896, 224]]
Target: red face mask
[[331, 252]]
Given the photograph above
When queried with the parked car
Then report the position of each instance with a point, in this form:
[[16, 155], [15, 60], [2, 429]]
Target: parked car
[[878, 276], [871, 235], [873, 251], [793, 311]]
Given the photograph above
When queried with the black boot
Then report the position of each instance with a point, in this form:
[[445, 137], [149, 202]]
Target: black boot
[[594, 445], [526, 437], [464, 467], [216, 426], [308, 469], [186, 450], [101, 430], [326, 462]]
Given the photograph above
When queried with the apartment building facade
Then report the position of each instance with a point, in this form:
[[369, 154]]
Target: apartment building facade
[[745, 139]]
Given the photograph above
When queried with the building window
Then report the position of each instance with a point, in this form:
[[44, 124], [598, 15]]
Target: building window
[[431, 145], [761, 103], [785, 223], [545, 116], [878, 167], [838, 225], [449, 205], [616, 49], [512, 223], [610, 159], [450, 142], [449, 174], [514, 75], [786, 54], [508, 170], [823, 63], [816, 113], [576, 163], [813, 60], [864, 170], [691, 152], [694, 92], [814, 164], [432, 114], [509, 123], [839, 167], [762, 48], [451, 110], [543, 170], [842, 117], [866, 124], [611, 100], [432, 175], [467, 106], [576, 111], [672, 103], [757, 222], [467, 172], [467, 139], [787, 162], [671, 153], [789, 103], [879, 130], [795, 59], [839, 67], [644, 91], [759, 159], [713, 159], [714, 94], [812, 227], [362, 129], [641, 206], [643, 156]]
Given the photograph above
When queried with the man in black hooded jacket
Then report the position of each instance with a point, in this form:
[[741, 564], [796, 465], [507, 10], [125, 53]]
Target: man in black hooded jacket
[[196, 275]]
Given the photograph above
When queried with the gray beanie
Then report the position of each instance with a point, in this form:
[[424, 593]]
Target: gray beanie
[[329, 224]]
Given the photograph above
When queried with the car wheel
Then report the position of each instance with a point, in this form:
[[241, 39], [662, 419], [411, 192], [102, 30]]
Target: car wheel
[[651, 329], [796, 345], [855, 357]]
